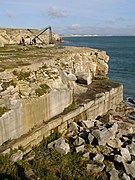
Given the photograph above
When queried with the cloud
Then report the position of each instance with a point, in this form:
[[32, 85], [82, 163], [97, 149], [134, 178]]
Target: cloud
[[116, 20], [74, 27], [55, 12], [9, 14]]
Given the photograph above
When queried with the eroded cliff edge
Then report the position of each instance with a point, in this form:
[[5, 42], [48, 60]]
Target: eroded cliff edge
[[46, 88]]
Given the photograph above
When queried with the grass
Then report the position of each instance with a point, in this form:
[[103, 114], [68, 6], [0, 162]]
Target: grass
[[42, 89], [21, 75]]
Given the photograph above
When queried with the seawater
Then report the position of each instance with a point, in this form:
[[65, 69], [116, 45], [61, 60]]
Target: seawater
[[121, 50]]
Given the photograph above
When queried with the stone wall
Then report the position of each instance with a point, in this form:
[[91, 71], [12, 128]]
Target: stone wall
[[89, 110]]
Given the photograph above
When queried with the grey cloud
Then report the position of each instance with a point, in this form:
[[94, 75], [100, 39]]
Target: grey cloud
[[55, 12]]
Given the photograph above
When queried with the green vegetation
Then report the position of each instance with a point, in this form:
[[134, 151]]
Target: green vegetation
[[21, 75], [70, 107], [42, 89]]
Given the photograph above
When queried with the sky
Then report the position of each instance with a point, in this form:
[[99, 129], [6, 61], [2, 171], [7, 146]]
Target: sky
[[105, 17]]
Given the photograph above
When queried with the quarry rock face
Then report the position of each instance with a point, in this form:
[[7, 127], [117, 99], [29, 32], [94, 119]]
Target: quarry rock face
[[40, 83]]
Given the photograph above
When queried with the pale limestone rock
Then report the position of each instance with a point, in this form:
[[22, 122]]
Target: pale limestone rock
[[114, 143], [61, 146], [102, 135], [86, 156], [88, 123], [118, 158], [125, 177], [80, 148], [130, 168], [99, 158], [90, 138], [114, 174], [79, 141], [125, 154], [73, 127]]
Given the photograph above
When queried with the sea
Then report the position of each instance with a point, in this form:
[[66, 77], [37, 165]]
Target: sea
[[121, 50]]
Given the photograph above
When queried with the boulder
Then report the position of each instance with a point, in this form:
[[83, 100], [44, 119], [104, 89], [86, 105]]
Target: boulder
[[102, 135], [86, 156], [73, 127], [88, 123], [130, 168], [114, 174], [79, 148], [61, 146], [84, 78], [99, 158], [125, 177], [114, 143], [125, 154], [90, 138], [79, 141]]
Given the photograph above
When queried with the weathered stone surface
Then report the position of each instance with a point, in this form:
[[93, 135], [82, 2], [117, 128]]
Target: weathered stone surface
[[17, 156], [102, 135], [79, 141], [99, 158], [130, 168], [90, 138], [125, 154], [114, 143], [79, 148], [88, 123], [114, 174], [125, 177], [84, 78], [61, 146]]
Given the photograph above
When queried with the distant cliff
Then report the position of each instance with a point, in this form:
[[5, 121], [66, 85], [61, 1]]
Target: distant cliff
[[14, 36]]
